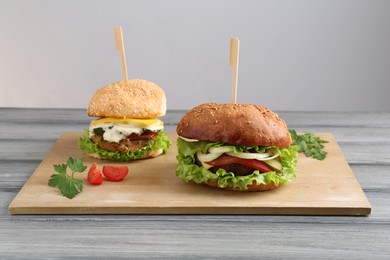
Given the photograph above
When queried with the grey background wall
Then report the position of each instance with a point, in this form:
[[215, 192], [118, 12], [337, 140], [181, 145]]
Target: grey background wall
[[294, 55]]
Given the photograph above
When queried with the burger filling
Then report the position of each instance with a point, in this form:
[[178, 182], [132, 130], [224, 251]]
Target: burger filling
[[235, 166], [124, 139], [124, 134], [239, 163]]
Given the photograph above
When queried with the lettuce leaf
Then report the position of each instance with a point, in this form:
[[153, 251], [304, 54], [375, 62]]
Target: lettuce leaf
[[161, 142], [188, 170]]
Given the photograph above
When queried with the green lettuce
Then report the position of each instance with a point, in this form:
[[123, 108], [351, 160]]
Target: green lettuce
[[161, 142], [188, 170]]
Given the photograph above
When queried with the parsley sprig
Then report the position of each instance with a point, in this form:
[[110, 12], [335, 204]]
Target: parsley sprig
[[309, 144], [68, 184]]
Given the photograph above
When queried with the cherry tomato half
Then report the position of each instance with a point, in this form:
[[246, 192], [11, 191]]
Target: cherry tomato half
[[94, 177], [115, 173]]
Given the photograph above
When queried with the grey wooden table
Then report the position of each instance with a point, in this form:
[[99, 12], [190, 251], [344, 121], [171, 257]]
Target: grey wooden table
[[26, 135]]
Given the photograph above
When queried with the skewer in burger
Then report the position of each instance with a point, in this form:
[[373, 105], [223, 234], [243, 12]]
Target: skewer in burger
[[241, 147], [126, 128]]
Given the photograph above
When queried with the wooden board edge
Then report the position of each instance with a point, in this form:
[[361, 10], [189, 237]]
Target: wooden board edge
[[309, 211]]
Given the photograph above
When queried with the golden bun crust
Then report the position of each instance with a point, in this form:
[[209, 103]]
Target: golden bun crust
[[251, 187], [133, 99], [236, 124]]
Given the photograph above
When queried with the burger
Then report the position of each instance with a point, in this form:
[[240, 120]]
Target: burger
[[126, 127], [241, 147]]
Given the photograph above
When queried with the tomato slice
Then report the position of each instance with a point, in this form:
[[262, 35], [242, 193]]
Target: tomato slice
[[94, 176], [115, 173], [143, 136], [252, 163]]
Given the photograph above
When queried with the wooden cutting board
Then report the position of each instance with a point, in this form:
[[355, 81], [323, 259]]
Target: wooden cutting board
[[321, 188]]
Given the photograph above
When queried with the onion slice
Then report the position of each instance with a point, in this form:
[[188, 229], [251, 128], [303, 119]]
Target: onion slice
[[257, 156], [221, 150], [207, 157]]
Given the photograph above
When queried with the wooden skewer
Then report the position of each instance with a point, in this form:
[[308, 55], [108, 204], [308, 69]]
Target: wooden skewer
[[234, 56], [120, 47]]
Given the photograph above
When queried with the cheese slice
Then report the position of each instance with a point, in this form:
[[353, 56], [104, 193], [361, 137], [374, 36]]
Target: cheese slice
[[134, 121]]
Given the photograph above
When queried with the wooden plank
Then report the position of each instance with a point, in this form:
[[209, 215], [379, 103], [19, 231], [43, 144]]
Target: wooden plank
[[302, 119], [321, 188]]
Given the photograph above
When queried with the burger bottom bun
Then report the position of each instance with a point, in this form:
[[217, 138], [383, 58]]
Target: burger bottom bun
[[151, 154], [251, 187]]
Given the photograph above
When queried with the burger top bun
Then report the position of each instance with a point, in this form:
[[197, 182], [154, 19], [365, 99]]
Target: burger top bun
[[132, 98], [237, 124]]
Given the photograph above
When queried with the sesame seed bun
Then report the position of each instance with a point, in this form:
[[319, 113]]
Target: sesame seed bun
[[237, 124], [131, 99]]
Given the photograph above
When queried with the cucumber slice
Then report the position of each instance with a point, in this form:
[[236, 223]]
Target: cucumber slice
[[275, 164]]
